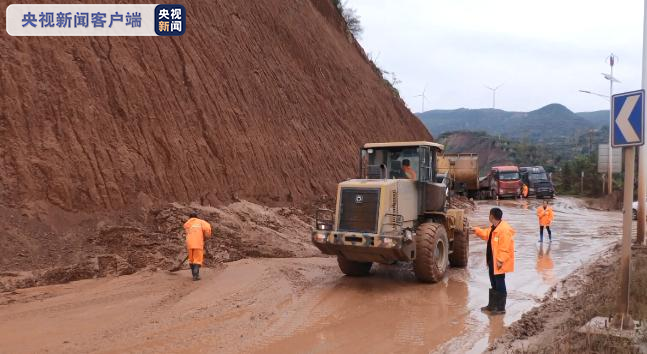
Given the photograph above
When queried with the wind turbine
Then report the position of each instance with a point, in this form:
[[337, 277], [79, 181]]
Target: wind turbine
[[493, 89], [424, 98]]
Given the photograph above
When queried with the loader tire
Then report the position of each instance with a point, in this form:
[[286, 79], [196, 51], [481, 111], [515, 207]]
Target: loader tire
[[461, 247], [432, 249], [352, 268]]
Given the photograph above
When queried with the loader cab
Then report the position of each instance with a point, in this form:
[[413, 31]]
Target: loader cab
[[385, 216], [388, 160], [384, 161]]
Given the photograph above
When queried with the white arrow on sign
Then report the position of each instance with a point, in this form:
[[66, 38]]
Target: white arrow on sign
[[623, 119]]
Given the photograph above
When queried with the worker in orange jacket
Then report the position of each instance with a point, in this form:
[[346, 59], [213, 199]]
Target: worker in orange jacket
[[196, 230], [499, 258], [408, 171], [524, 191], [545, 215]]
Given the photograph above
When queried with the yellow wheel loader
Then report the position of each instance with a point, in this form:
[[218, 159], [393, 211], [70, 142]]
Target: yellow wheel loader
[[395, 211]]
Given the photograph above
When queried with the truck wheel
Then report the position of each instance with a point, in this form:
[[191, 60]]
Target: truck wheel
[[432, 249], [354, 269], [461, 247]]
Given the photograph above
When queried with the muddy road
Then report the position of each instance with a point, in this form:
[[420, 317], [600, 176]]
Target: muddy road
[[305, 304]]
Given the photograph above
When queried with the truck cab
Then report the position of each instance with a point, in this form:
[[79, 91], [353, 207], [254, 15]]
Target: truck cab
[[537, 180], [394, 211], [505, 181]]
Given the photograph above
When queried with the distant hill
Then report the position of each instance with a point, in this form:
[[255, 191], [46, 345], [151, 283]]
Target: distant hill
[[551, 123], [598, 118]]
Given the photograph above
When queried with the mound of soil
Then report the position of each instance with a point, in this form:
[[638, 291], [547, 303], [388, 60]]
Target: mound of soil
[[461, 202], [124, 243], [606, 202], [266, 101], [589, 292]]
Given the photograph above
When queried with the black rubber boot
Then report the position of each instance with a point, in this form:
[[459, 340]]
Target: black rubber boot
[[192, 270], [499, 303], [196, 276], [490, 302]]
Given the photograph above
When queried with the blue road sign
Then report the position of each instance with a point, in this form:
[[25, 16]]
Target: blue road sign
[[628, 119]]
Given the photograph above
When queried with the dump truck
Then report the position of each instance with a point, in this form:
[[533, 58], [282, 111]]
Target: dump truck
[[462, 171], [389, 214], [500, 182], [537, 181]]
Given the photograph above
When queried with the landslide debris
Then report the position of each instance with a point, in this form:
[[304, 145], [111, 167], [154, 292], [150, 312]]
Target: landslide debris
[[121, 244]]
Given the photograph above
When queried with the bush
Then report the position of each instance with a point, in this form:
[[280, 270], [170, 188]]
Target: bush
[[351, 18]]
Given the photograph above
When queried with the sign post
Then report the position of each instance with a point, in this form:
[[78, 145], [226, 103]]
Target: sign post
[[628, 112], [642, 151]]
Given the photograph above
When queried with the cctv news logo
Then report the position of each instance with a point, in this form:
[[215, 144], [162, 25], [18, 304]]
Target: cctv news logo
[[170, 20], [96, 19]]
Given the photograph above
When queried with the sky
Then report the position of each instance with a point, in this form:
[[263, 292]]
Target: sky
[[541, 51]]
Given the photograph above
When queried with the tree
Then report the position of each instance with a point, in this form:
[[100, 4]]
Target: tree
[[351, 18]]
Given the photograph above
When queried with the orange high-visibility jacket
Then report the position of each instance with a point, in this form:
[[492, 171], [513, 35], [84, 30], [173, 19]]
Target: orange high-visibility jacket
[[525, 191], [411, 174], [502, 246], [196, 231], [545, 216]]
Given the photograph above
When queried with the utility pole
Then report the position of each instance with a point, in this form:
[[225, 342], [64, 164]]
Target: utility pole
[[493, 89], [622, 319], [612, 58], [642, 150], [591, 142]]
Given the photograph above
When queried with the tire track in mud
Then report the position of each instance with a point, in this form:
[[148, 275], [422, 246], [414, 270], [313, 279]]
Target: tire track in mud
[[298, 311]]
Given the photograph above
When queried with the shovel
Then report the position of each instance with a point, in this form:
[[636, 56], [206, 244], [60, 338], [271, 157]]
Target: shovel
[[177, 267]]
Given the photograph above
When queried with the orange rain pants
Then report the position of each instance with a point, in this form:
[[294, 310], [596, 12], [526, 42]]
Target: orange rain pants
[[196, 255]]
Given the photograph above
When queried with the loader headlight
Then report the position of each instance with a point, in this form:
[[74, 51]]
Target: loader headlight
[[408, 235], [388, 242], [320, 237]]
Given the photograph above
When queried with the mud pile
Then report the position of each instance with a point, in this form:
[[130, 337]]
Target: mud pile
[[607, 202], [461, 202], [266, 101], [122, 244], [553, 326]]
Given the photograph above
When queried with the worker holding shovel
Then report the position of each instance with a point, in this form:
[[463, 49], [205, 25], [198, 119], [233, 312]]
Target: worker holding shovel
[[197, 230]]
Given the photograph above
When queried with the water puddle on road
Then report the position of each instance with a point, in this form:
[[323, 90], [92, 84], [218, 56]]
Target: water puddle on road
[[391, 312]]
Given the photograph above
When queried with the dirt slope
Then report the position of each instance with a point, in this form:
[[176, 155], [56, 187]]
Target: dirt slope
[[266, 101]]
